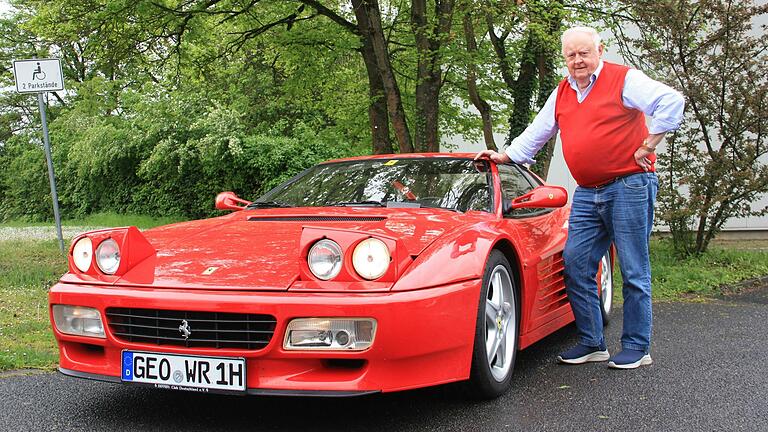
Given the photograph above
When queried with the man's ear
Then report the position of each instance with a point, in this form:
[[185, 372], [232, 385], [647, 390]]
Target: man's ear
[[600, 50]]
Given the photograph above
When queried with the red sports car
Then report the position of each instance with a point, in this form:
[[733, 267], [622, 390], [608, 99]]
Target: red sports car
[[362, 275]]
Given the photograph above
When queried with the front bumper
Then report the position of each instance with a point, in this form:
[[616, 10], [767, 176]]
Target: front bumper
[[424, 337]]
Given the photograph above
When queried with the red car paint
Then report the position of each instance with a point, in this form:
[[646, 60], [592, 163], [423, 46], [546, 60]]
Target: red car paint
[[248, 262]]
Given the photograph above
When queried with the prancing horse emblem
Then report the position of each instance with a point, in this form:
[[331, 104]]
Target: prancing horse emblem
[[184, 329]]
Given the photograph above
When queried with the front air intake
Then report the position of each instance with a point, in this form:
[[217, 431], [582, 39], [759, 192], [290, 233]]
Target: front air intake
[[192, 329]]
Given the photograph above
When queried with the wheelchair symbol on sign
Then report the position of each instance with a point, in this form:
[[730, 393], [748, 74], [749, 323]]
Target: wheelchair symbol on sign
[[38, 73]]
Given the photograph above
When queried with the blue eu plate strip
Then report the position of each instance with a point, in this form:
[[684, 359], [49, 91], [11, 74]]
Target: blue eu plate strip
[[127, 366]]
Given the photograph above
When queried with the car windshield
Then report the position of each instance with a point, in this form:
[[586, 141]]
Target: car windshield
[[455, 184]]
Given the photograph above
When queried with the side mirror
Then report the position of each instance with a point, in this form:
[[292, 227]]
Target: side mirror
[[540, 197], [230, 201]]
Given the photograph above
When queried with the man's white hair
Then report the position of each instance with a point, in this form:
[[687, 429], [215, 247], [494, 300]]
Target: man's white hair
[[585, 30]]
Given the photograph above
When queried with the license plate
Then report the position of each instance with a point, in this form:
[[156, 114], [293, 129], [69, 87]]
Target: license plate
[[183, 372]]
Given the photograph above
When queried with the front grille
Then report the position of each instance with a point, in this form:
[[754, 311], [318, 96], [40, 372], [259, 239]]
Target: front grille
[[317, 219], [206, 329]]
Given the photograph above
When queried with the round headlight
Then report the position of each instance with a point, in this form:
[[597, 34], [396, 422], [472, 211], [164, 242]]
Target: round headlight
[[108, 256], [371, 258], [325, 259], [82, 254]]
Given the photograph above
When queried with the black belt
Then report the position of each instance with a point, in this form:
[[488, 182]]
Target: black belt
[[602, 185], [612, 181]]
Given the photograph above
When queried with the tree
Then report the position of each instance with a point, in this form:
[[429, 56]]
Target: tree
[[525, 39], [379, 68], [715, 165], [431, 36], [160, 115], [482, 106]]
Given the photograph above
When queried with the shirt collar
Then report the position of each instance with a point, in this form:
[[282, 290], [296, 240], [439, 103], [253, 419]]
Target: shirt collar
[[595, 74]]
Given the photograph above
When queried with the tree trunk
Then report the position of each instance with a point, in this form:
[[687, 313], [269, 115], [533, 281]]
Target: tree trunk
[[425, 138], [474, 95], [368, 11], [548, 80], [378, 114], [378, 117], [429, 39], [522, 92], [501, 52], [536, 72]]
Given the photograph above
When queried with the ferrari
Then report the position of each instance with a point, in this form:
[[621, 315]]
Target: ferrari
[[362, 275]]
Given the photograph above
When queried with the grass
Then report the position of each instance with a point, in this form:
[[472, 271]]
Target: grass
[[103, 220], [27, 270], [725, 263], [29, 267]]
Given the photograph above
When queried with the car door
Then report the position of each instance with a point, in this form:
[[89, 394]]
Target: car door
[[541, 234]]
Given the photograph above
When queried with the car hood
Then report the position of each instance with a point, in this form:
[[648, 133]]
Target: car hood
[[260, 249]]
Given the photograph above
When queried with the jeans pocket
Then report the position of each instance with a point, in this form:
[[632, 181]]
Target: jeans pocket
[[636, 181]]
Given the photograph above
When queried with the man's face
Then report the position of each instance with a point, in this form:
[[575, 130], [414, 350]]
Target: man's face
[[581, 56]]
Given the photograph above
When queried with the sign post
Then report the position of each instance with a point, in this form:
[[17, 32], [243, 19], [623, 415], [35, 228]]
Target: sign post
[[41, 76]]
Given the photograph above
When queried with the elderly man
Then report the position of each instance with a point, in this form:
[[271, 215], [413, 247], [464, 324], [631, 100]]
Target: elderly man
[[599, 109]]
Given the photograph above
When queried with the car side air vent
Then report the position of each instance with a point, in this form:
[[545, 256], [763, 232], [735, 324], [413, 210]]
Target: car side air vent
[[316, 219]]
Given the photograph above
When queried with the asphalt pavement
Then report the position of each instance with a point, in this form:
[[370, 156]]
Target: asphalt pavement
[[709, 374]]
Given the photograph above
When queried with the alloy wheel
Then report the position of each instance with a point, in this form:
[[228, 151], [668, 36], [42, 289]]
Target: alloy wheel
[[500, 323]]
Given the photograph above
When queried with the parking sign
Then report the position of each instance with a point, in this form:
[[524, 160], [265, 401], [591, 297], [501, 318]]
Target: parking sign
[[38, 75], [41, 76]]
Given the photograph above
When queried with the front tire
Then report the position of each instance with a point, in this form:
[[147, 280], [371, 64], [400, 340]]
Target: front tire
[[496, 330]]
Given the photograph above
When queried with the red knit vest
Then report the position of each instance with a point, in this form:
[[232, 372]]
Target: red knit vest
[[600, 135]]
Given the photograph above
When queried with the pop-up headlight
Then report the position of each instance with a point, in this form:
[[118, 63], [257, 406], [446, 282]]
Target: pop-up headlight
[[108, 256], [325, 259], [371, 258], [82, 253], [330, 334]]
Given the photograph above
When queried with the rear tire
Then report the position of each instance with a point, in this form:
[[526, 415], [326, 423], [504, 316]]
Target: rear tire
[[496, 330], [605, 282]]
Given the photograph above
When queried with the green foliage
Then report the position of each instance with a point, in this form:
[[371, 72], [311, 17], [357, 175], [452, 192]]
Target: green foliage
[[714, 52], [168, 154], [168, 103], [164, 111], [24, 185], [212, 153]]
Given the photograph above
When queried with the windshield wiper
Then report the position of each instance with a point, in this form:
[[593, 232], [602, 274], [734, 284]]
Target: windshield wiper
[[268, 204], [372, 203]]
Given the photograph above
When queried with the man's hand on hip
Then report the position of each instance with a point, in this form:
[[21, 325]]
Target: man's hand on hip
[[493, 156], [646, 149], [641, 158]]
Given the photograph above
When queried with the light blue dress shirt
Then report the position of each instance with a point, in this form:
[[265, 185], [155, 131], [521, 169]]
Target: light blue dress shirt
[[659, 101]]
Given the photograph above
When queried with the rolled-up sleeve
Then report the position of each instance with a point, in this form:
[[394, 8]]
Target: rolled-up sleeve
[[524, 147], [657, 100]]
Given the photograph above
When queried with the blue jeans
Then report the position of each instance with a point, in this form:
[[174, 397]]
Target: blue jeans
[[619, 213]]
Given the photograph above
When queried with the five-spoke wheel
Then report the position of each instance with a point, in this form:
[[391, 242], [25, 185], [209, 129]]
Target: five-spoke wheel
[[496, 335]]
